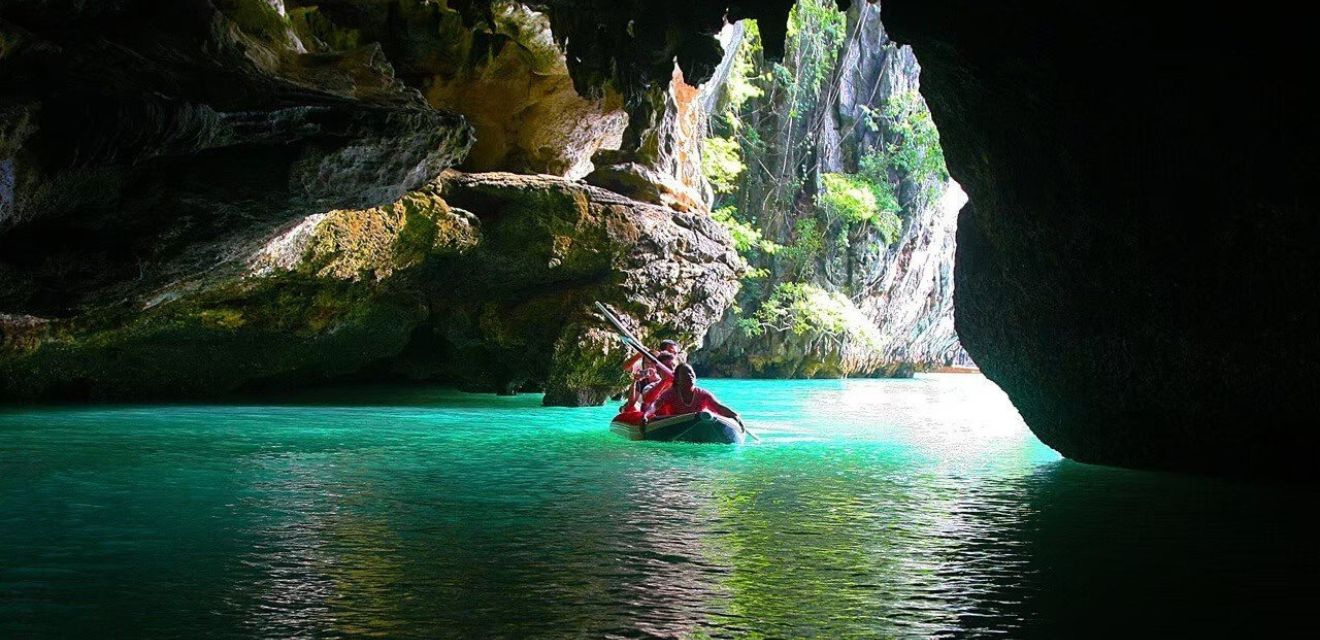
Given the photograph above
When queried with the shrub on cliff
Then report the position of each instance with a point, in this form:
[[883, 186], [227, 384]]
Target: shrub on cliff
[[857, 199], [808, 310]]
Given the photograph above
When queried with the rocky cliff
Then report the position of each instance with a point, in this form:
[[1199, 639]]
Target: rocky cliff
[[483, 280], [146, 142], [206, 197], [1134, 268], [841, 179]]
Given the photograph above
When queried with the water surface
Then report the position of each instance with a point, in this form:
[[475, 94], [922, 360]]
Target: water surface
[[906, 508]]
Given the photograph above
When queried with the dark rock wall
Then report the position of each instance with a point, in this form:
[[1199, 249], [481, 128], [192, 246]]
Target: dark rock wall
[[145, 141], [1137, 265]]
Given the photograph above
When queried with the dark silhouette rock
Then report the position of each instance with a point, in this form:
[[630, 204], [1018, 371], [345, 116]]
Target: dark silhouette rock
[[145, 142], [1136, 267]]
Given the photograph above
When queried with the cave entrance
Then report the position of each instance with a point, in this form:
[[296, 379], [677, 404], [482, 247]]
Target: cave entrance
[[827, 170]]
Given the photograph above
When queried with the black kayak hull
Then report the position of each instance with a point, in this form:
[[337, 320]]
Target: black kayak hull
[[700, 427]]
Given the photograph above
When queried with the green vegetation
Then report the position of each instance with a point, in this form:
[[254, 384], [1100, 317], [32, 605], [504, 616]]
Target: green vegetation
[[256, 18], [911, 149], [806, 309], [311, 25], [804, 225], [808, 243], [721, 162], [909, 152], [859, 199], [816, 29], [917, 151], [746, 238]]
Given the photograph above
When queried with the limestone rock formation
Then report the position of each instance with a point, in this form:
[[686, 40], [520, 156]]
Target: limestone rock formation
[[483, 280], [501, 68], [1136, 267], [877, 298], [210, 197], [551, 249], [146, 142]]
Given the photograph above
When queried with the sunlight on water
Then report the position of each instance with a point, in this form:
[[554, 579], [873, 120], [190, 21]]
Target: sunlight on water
[[872, 508]]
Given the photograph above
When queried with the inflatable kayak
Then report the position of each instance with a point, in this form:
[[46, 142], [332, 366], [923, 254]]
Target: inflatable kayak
[[702, 426]]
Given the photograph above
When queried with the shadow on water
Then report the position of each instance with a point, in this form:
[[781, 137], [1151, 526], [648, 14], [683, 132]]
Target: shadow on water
[[1124, 553]]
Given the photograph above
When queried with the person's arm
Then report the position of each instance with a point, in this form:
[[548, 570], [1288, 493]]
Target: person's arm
[[650, 410], [719, 408], [651, 395], [631, 363], [665, 373]]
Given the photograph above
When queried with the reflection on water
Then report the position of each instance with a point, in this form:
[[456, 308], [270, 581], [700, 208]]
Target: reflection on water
[[872, 508]]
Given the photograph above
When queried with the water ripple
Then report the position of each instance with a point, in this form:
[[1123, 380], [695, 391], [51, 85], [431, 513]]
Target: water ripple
[[872, 509]]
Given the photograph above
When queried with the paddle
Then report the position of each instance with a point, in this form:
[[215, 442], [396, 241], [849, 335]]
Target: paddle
[[618, 324], [632, 341]]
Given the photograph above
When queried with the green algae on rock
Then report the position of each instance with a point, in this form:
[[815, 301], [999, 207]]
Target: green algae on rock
[[551, 248], [494, 296]]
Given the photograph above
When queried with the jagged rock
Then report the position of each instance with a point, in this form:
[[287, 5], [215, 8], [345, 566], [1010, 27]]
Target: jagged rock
[[147, 142], [640, 182], [501, 69], [494, 296], [902, 287], [551, 249]]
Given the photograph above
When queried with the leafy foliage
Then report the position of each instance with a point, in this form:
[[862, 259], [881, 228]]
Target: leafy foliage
[[806, 309], [816, 29], [847, 197], [911, 150], [860, 199], [721, 162], [745, 82], [808, 243], [791, 219], [746, 238]]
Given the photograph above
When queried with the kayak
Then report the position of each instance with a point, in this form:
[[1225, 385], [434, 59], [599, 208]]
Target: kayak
[[702, 426]]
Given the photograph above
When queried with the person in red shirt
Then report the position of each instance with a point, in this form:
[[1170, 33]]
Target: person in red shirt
[[648, 385], [686, 397]]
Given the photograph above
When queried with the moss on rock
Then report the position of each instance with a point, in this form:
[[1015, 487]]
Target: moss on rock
[[497, 300], [281, 330]]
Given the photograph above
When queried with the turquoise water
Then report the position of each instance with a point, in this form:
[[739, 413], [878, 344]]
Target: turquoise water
[[910, 508]]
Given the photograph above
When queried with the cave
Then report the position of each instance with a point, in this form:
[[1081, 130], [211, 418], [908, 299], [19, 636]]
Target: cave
[[312, 316], [1133, 266]]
